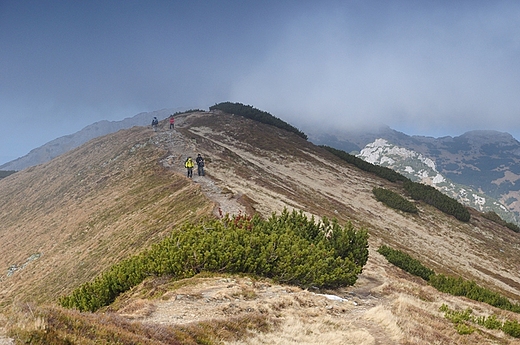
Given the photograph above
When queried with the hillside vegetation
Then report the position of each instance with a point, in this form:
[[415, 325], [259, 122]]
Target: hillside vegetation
[[252, 113], [124, 198], [87, 210], [288, 248], [417, 191], [5, 173]]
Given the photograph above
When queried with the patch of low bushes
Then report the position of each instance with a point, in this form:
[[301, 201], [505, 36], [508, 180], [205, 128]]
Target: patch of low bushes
[[437, 199], [288, 248], [406, 262], [417, 191], [394, 200], [460, 287], [252, 113], [493, 216], [383, 172], [464, 321], [189, 111], [453, 285], [5, 173]]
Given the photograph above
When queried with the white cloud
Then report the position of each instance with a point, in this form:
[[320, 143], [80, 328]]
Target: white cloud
[[416, 70]]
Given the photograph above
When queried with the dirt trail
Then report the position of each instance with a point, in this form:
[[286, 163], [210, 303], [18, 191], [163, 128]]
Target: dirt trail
[[181, 147], [353, 316]]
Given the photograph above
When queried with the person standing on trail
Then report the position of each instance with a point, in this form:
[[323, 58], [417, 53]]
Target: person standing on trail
[[172, 120], [189, 166], [200, 165], [155, 122]]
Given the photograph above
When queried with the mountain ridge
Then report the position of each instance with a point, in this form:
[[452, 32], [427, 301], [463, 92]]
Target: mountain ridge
[[117, 194], [65, 143], [484, 161]]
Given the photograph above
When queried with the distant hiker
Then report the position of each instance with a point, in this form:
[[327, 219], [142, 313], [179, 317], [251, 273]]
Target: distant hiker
[[172, 120], [200, 164], [155, 122], [189, 165]]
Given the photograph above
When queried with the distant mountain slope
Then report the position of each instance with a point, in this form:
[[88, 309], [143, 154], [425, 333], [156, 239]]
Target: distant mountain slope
[[422, 169], [486, 161], [58, 146]]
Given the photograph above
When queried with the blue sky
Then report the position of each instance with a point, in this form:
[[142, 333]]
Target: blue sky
[[422, 67]]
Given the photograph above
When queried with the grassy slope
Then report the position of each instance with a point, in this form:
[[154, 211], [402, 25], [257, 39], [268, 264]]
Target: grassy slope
[[277, 169], [109, 198], [87, 210]]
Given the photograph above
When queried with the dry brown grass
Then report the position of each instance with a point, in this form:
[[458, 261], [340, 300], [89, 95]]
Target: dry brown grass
[[109, 199], [87, 210]]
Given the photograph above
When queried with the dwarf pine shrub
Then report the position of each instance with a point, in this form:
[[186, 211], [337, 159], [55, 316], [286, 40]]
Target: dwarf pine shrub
[[5, 173], [252, 113], [453, 285], [471, 290], [383, 172], [437, 199], [288, 248], [463, 320], [406, 262], [512, 328], [496, 218], [394, 200]]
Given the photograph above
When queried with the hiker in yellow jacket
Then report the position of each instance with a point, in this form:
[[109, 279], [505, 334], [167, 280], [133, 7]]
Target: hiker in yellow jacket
[[189, 165]]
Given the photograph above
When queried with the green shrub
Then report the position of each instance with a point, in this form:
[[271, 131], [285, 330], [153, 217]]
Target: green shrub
[[496, 218], [383, 172], [288, 248], [463, 328], [512, 328], [406, 262], [459, 316], [471, 290], [249, 112], [189, 111], [394, 200], [451, 285], [434, 197], [5, 173], [463, 320], [492, 322], [418, 191]]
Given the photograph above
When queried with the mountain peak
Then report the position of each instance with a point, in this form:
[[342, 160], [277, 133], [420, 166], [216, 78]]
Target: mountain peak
[[488, 136]]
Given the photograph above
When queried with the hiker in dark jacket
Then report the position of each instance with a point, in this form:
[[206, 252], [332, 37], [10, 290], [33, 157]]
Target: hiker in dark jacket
[[155, 122], [200, 164]]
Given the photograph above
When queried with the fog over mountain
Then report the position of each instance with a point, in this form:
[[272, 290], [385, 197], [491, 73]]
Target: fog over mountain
[[431, 68]]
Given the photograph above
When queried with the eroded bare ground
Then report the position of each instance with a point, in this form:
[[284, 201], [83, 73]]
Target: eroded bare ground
[[359, 315], [386, 305]]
